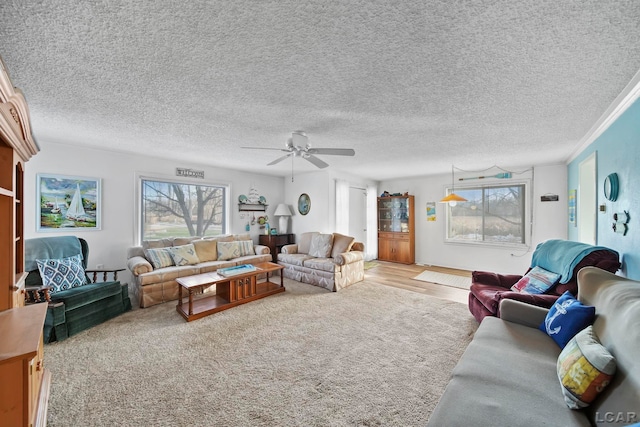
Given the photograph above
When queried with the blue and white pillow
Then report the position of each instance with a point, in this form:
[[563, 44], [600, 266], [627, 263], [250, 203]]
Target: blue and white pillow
[[62, 274], [566, 318]]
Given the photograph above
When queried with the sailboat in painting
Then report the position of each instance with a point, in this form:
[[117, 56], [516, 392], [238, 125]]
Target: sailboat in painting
[[76, 210]]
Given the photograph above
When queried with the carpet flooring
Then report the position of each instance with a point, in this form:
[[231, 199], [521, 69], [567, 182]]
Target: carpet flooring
[[368, 355], [444, 279]]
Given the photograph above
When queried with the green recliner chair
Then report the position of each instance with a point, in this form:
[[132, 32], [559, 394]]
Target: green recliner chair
[[76, 309]]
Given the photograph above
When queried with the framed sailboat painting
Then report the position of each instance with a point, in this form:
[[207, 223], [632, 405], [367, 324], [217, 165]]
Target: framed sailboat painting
[[68, 203]]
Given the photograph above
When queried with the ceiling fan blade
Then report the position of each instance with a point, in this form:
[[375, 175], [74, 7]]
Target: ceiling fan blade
[[266, 148], [332, 151], [316, 161], [279, 159]]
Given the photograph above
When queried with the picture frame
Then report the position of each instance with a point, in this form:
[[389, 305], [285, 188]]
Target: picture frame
[[572, 207], [304, 204], [68, 203]]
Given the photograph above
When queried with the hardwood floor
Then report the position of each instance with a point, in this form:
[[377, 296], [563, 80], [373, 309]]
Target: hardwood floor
[[401, 276]]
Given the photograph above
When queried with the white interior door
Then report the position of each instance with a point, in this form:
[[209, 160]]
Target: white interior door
[[358, 214], [587, 205]]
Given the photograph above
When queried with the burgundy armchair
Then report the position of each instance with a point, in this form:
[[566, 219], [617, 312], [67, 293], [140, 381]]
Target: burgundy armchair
[[488, 289]]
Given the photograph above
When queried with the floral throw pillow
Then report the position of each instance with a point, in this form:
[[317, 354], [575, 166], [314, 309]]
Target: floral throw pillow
[[321, 245], [62, 274]]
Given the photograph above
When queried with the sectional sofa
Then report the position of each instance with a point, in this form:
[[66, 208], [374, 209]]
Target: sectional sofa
[[510, 373]]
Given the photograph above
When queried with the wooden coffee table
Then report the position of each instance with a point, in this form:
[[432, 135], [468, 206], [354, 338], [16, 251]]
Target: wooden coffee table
[[230, 291]]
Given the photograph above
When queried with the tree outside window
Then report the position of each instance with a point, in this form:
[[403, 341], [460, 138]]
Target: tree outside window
[[174, 209], [492, 214]]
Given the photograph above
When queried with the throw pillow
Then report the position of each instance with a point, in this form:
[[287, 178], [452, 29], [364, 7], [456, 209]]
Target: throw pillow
[[304, 244], [341, 244], [207, 250], [585, 367], [566, 318], [62, 274], [536, 281], [246, 247], [321, 245], [184, 254], [228, 250], [159, 257]]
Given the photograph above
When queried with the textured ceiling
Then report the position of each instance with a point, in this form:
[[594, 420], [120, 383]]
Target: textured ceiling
[[412, 86]]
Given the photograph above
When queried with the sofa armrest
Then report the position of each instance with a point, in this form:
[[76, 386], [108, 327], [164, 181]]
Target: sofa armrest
[[262, 250], [505, 281], [139, 265], [522, 313], [348, 257], [289, 249]]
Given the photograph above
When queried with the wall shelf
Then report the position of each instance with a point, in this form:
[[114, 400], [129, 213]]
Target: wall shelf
[[249, 207]]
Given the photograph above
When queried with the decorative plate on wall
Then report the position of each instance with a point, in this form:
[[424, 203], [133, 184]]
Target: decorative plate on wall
[[611, 187], [304, 204]]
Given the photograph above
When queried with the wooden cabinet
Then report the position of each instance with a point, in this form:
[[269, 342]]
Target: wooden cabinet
[[24, 383], [24, 389], [396, 229], [275, 242]]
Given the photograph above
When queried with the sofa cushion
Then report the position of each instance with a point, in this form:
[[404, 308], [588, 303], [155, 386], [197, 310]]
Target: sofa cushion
[[155, 244], [293, 259], [184, 255], [87, 294], [324, 264], [566, 318], [321, 245], [207, 250], [304, 245], [585, 368], [536, 281], [62, 274], [159, 257], [181, 241], [228, 250], [341, 244]]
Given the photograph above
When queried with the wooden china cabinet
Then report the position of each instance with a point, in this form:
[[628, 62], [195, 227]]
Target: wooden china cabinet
[[24, 388], [396, 229]]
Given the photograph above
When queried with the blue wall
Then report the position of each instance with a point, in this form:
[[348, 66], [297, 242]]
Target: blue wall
[[618, 150]]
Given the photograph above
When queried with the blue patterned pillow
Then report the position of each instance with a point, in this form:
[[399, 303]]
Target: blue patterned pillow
[[246, 247], [62, 274], [184, 255], [159, 257], [566, 318]]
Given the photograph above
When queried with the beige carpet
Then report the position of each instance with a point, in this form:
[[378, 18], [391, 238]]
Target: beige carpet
[[366, 356], [444, 279]]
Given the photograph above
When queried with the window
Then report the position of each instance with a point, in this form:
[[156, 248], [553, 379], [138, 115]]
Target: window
[[492, 214], [178, 209]]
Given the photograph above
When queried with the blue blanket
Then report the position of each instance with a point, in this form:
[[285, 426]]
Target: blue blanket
[[562, 256], [49, 248]]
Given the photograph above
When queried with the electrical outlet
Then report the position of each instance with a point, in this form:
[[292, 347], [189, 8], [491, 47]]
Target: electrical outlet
[[100, 266]]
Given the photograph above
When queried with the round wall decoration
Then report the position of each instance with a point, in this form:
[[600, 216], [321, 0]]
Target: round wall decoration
[[611, 187], [304, 204]]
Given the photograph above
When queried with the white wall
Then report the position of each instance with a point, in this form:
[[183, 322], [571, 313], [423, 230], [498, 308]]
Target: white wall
[[117, 171], [550, 220]]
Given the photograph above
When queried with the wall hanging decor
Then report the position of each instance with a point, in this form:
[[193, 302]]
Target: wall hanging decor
[[304, 204], [68, 203], [611, 187]]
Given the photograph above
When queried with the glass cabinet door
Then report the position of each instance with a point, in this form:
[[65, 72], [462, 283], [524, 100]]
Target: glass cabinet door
[[393, 214]]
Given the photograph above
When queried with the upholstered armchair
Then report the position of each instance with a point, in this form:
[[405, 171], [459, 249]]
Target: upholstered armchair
[[563, 257], [76, 297]]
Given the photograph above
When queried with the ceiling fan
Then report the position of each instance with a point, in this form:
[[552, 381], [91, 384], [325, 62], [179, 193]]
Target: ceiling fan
[[298, 146]]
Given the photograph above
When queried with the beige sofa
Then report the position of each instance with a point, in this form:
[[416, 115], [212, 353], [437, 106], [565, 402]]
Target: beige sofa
[[508, 374], [332, 261], [155, 270]]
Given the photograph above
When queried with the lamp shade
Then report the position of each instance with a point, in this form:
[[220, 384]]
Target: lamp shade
[[453, 197], [282, 210]]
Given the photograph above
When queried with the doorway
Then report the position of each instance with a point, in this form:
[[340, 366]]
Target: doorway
[[358, 214], [587, 201]]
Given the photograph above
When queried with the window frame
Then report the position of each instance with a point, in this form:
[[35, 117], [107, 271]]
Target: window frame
[[528, 214], [140, 178]]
